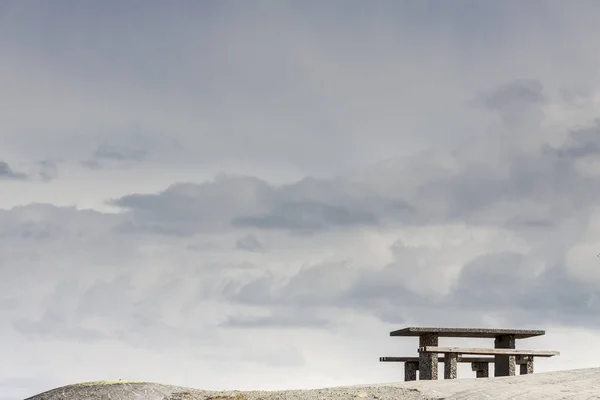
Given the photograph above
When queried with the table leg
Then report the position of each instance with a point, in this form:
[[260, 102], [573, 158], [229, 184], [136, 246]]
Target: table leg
[[410, 370], [450, 363], [525, 364], [504, 365], [482, 369], [428, 362]]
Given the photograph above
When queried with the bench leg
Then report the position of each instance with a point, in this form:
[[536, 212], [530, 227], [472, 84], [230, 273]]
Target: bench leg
[[428, 362], [504, 365], [482, 369], [450, 362], [410, 370], [525, 364]]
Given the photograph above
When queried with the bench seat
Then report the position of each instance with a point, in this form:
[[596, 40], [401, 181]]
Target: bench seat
[[484, 351], [440, 359]]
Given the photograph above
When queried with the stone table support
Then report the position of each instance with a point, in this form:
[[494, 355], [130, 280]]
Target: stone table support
[[450, 365], [428, 362], [482, 369], [504, 365], [525, 364], [410, 370]]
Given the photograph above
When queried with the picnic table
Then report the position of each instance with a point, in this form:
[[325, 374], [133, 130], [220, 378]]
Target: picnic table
[[505, 355]]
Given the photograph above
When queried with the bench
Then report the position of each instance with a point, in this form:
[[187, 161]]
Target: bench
[[523, 358], [411, 365]]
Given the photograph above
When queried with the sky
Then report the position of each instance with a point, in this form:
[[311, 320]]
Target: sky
[[252, 195]]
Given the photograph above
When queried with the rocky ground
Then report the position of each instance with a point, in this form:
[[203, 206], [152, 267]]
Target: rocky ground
[[582, 384]]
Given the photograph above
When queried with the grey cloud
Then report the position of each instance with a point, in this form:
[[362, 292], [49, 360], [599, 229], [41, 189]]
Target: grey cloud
[[522, 92], [56, 320], [202, 246], [53, 222], [523, 222], [56, 326], [503, 283], [119, 154], [307, 217], [577, 97], [132, 227], [250, 202], [547, 176], [516, 102], [105, 155], [30, 230], [103, 298], [48, 170], [249, 243], [288, 319], [494, 280], [256, 292], [131, 313], [582, 142], [6, 172], [313, 290], [323, 284], [190, 208]]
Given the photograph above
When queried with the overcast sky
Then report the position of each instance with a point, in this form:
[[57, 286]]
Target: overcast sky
[[252, 195]]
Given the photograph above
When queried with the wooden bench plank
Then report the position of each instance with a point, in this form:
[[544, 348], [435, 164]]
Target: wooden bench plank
[[440, 359], [485, 351]]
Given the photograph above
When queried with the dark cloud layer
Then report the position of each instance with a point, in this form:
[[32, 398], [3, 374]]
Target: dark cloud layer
[[541, 196], [549, 176]]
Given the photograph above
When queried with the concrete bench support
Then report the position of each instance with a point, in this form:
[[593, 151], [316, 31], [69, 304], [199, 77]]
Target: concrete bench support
[[411, 364], [504, 365], [482, 369], [450, 364], [410, 370], [525, 364], [428, 362]]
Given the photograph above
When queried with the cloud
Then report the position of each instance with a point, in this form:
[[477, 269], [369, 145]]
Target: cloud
[[509, 97], [6, 172], [306, 216], [55, 321], [48, 170], [246, 202], [543, 185], [249, 243], [45, 171], [119, 154], [105, 155], [282, 320]]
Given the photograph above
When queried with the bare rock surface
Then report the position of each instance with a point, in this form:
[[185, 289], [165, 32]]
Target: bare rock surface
[[582, 384]]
